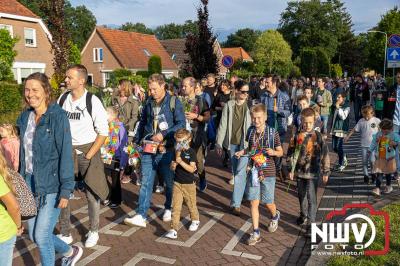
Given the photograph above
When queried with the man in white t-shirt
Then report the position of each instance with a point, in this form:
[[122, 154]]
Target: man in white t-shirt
[[89, 129], [368, 126]]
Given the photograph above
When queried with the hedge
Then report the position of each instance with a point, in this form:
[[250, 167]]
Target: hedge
[[10, 102]]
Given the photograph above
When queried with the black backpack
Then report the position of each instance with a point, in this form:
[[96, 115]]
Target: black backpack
[[88, 101]]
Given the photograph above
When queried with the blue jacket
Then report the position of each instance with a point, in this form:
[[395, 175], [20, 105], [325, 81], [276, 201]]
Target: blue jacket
[[175, 120], [277, 120], [53, 166]]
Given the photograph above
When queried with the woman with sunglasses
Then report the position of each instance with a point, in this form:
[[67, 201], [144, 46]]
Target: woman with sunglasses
[[232, 131]]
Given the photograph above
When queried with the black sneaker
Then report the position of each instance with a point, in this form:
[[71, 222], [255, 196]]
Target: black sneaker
[[302, 220], [366, 179], [76, 255], [202, 185]]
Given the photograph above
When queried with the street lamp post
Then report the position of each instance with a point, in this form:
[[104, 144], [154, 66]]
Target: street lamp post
[[386, 40]]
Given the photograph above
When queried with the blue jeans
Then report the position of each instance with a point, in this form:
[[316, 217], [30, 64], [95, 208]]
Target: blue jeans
[[7, 249], [366, 161], [41, 231], [324, 119], [152, 164], [337, 145], [239, 172]]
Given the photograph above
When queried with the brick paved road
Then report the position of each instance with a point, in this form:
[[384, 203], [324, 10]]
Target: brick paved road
[[221, 237]]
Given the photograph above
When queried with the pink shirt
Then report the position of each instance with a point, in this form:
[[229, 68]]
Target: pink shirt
[[10, 147]]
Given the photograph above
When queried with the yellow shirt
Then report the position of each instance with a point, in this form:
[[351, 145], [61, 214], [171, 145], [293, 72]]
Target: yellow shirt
[[8, 228]]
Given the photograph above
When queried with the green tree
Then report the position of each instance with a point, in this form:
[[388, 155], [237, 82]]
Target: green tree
[[55, 11], [80, 23], [154, 65], [200, 47], [176, 31], [314, 24], [7, 54], [74, 56], [314, 62], [137, 27], [389, 23], [244, 38], [272, 51], [336, 70]]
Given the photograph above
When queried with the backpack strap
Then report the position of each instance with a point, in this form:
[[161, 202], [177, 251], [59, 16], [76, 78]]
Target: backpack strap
[[89, 103], [63, 98]]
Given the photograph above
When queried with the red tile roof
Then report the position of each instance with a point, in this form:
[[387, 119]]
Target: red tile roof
[[129, 48], [15, 8], [237, 53]]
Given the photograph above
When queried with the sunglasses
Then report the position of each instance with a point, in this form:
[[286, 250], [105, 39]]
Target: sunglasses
[[244, 92]]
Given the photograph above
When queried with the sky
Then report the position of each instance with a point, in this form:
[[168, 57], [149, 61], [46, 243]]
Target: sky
[[226, 16]]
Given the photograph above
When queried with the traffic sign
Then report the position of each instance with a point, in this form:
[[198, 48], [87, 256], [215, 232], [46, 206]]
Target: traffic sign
[[393, 57], [394, 40], [227, 61]]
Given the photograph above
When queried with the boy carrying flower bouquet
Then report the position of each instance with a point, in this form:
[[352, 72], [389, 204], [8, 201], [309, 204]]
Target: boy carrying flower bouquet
[[114, 156], [264, 146], [308, 159]]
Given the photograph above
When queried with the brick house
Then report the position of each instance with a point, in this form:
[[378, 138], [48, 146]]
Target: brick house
[[110, 49], [34, 45], [237, 53], [176, 49]]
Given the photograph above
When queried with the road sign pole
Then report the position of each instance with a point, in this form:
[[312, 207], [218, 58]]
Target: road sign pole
[[384, 64]]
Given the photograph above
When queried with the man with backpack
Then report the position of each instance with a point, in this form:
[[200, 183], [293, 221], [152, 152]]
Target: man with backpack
[[197, 117], [278, 107], [89, 130], [162, 116]]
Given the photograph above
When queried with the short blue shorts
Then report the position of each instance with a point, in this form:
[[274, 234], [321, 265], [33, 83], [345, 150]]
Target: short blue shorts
[[267, 188]]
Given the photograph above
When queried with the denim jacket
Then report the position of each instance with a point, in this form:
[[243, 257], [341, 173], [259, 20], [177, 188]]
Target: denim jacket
[[175, 120], [284, 109], [53, 166]]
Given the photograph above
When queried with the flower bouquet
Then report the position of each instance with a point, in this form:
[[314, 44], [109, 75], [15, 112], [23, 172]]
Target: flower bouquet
[[134, 154]]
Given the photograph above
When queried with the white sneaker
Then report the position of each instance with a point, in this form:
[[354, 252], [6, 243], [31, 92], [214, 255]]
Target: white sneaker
[[388, 189], [67, 239], [136, 220], [194, 226], [92, 238], [172, 234], [167, 217], [376, 191], [159, 189]]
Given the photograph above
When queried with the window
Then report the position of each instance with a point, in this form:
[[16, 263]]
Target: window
[[90, 80], [7, 27], [30, 37], [97, 55], [146, 52], [106, 78]]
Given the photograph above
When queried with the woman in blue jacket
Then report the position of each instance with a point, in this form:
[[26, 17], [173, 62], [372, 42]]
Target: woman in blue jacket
[[47, 166]]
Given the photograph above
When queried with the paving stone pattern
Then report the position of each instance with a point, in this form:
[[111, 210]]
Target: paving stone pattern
[[221, 238]]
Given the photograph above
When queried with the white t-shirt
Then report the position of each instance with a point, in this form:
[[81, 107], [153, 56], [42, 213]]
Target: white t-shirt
[[367, 130], [85, 128]]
